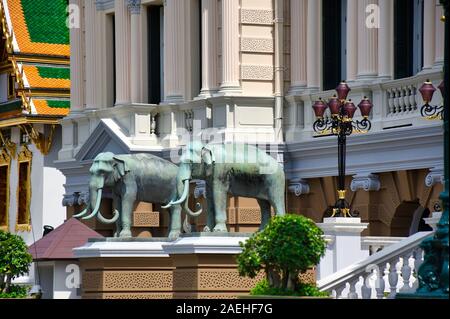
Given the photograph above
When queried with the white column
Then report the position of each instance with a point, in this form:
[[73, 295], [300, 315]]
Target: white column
[[298, 45], [352, 39], [313, 40], [135, 11], [439, 32], [174, 45], [123, 43], [386, 39], [230, 47], [429, 24], [90, 11], [209, 47], [367, 43], [76, 65]]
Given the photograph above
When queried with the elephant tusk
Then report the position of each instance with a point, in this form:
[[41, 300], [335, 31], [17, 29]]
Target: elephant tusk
[[198, 207], [183, 196], [97, 204], [84, 212], [108, 221]]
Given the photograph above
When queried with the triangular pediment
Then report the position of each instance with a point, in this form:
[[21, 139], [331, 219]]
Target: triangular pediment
[[106, 137]]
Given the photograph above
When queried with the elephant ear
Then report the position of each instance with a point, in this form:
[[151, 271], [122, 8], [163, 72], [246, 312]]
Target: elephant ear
[[209, 159], [121, 165]]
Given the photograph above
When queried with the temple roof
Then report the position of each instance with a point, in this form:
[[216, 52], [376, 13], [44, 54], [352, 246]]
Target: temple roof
[[38, 49], [58, 244]]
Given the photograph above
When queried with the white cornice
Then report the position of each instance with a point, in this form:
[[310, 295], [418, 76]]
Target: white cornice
[[389, 150]]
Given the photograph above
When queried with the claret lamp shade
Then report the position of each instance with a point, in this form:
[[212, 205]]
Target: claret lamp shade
[[334, 105], [365, 107], [350, 109], [319, 108], [342, 90], [427, 91]]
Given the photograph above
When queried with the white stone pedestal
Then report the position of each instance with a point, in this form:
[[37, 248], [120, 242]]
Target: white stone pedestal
[[344, 244]]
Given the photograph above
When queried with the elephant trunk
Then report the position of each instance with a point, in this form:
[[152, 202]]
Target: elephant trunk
[[96, 191]]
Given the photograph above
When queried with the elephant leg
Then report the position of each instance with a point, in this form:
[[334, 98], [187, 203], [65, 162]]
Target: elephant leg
[[210, 217], [175, 222], [276, 198], [117, 204], [220, 191], [265, 212], [127, 211]]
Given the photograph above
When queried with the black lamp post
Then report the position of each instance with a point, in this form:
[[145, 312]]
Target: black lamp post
[[342, 125]]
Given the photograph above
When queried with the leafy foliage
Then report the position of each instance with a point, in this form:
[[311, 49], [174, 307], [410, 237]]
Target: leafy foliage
[[15, 259], [288, 246], [308, 290], [16, 291]]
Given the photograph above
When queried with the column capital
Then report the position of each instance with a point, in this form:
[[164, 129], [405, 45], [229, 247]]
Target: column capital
[[365, 181], [134, 6], [299, 187], [436, 175]]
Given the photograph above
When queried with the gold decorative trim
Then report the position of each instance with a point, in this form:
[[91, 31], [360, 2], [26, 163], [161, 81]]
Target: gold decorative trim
[[46, 60], [341, 194], [24, 156], [11, 146], [5, 160], [43, 144], [54, 120]]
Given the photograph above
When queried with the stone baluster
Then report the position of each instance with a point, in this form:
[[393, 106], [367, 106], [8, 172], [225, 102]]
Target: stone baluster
[[391, 98], [352, 291], [393, 277], [418, 260], [412, 98], [366, 289], [339, 291], [380, 284], [153, 124], [407, 107], [406, 273], [396, 100]]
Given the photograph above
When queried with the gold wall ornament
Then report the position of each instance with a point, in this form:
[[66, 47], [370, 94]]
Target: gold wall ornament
[[10, 145], [5, 165], [23, 218], [43, 144]]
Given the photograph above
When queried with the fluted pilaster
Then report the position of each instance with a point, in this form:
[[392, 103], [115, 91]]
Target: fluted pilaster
[[386, 39], [76, 65], [367, 43], [230, 46], [352, 39], [134, 7], [123, 43], [209, 47], [313, 51], [298, 44]]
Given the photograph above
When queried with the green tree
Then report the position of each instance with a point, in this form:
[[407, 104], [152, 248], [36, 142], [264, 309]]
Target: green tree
[[15, 259], [288, 246]]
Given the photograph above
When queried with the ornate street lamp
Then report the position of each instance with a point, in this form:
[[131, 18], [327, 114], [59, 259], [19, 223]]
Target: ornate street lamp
[[341, 124], [428, 111]]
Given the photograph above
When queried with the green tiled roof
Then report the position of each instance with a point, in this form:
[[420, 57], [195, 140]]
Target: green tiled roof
[[59, 104], [11, 106], [46, 20], [54, 73]]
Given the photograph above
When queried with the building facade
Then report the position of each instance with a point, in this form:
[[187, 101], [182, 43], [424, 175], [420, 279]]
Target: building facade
[[148, 75], [34, 96]]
